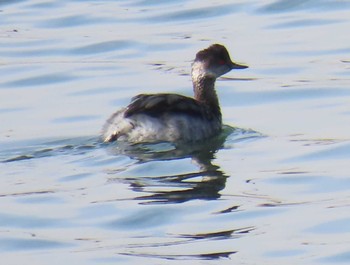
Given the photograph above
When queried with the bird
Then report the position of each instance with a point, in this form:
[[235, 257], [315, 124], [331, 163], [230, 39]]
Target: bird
[[166, 117]]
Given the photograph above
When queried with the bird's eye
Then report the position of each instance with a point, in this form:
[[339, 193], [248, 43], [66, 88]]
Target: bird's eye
[[222, 62]]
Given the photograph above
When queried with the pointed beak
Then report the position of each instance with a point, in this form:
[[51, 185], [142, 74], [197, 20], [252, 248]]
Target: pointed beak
[[238, 66]]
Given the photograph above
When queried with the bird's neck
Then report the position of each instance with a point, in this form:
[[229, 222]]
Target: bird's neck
[[204, 89]]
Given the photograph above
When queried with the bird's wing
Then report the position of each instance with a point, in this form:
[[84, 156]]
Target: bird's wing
[[158, 104]]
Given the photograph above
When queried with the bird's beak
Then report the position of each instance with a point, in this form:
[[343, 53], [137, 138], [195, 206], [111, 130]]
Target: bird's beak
[[238, 66]]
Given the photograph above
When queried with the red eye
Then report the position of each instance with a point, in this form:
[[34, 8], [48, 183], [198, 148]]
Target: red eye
[[222, 62]]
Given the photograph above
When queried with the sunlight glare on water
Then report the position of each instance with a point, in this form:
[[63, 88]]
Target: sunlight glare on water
[[273, 188]]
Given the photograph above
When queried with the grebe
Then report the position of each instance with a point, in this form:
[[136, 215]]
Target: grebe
[[173, 117]]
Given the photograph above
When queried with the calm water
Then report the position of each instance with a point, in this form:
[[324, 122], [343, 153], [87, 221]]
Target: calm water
[[272, 189]]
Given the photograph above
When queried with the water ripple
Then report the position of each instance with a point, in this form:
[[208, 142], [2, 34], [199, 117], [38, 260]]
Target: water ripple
[[197, 13], [340, 258], [339, 226], [304, 23], [341, 151], [302, 5], [29, 244], [25, 221], [71, 21], [286, 94], [103, 47], [40, 80], [204, 256]]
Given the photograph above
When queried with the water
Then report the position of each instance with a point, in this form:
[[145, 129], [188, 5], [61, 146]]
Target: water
[[272, 190]]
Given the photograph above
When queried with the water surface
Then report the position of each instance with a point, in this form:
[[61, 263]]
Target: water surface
[[272, 189]]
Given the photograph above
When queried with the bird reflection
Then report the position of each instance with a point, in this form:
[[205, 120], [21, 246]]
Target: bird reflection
[[205, 182], [208, 188]]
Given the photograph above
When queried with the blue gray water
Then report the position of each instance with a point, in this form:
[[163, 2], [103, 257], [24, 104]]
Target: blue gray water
[[272, 189]]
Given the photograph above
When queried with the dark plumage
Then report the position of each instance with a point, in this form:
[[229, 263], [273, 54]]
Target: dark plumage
[[156, 105]]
